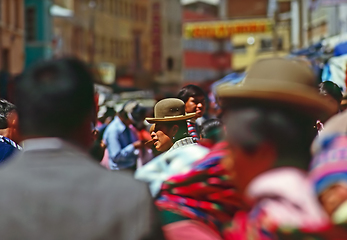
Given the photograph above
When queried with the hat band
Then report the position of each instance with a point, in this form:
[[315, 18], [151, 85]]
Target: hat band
[[173, 116]]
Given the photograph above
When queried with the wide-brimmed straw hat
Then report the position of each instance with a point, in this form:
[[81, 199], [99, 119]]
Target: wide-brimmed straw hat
[[288, 82], [170, 110]]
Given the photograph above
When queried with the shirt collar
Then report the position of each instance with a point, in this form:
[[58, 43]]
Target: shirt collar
[[120, 124], [182, 142], [34, 144]]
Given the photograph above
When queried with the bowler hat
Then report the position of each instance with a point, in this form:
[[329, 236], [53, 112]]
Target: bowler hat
[[170, 110], [289, 82]]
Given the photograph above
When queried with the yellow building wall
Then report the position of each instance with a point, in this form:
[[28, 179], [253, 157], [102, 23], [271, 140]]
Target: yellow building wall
[[242, 58], [112, 25]]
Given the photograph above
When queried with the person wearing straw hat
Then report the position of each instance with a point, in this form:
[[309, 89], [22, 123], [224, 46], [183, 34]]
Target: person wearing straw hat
[[170, 137], [269, 119]]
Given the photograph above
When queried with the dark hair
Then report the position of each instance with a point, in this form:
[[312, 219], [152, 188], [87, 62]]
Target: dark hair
[[54, 97], [190, 91], [182, 129], [290, 132], [330, 88], [5, 109], [212, 129]]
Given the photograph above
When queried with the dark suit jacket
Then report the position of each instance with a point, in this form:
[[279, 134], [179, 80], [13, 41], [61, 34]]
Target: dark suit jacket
[[61, 193]]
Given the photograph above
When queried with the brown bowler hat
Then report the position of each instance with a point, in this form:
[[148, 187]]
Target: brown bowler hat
[[280, 80], [170, 110]]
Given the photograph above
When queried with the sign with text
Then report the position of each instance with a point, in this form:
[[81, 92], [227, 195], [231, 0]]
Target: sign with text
[[225, 29]]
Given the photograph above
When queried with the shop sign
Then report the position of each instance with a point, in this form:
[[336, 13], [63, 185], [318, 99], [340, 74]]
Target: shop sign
[[225, 29]]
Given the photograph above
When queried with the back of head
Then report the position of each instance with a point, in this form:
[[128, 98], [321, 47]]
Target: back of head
[[250, 124], [190, 91], [330, 88], [213, 130], [54, 97], [5, 109]]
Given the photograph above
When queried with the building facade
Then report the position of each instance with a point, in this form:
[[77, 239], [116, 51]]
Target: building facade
[[12, 36], [166, 30], [274, 41], [205, 59], [38, 31], [313, 21], [109, 32]]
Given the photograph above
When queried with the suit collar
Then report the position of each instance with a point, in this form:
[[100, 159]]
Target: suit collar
[[39, 144]]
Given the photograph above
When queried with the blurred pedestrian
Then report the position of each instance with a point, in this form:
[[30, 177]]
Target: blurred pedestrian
[[196, 204], [269, 121], [195, 102], [54, 189], [212, 131], [123, 144], [8, 130], [329, 167], [333, 95]]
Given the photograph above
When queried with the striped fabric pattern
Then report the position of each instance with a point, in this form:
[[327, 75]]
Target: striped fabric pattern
[[206, 193], [9, 141], [192, 131]]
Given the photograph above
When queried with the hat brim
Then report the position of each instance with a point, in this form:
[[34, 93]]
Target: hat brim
[[301, 98], [171, 119]]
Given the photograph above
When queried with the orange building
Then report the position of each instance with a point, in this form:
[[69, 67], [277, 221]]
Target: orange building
[[12, 36], [107, 32]]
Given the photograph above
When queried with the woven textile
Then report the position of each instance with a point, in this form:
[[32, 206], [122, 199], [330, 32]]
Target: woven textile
[[329, 166], [9, 141], [206, 193], [192, 130]]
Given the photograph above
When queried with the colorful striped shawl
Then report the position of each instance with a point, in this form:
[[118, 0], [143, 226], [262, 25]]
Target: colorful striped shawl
[[206, 193]]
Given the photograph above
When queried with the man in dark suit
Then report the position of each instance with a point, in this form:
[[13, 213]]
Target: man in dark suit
[[53, 189]]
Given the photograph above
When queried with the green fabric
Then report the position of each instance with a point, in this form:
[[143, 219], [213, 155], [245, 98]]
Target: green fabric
[[168, 217]]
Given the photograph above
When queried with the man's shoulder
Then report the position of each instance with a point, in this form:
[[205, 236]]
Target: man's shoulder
[[190, 150], [6, 150], [76, 169], [116, 126]]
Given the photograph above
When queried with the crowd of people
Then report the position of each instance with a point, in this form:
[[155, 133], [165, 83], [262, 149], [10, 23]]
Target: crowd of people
[[271, 165]]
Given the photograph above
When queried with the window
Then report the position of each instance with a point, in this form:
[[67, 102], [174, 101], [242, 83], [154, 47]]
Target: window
[[267, 44], [5, 59], [179, 29], [143, 13], [241, 48], [30, 26], [170, 63], [8, 12], [117, 6], [1, 11], [103, 46], [126, 8], [137, 12], [169, 27], [17, 16]]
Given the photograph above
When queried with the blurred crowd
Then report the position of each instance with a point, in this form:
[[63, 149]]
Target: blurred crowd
[[271, 163]]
